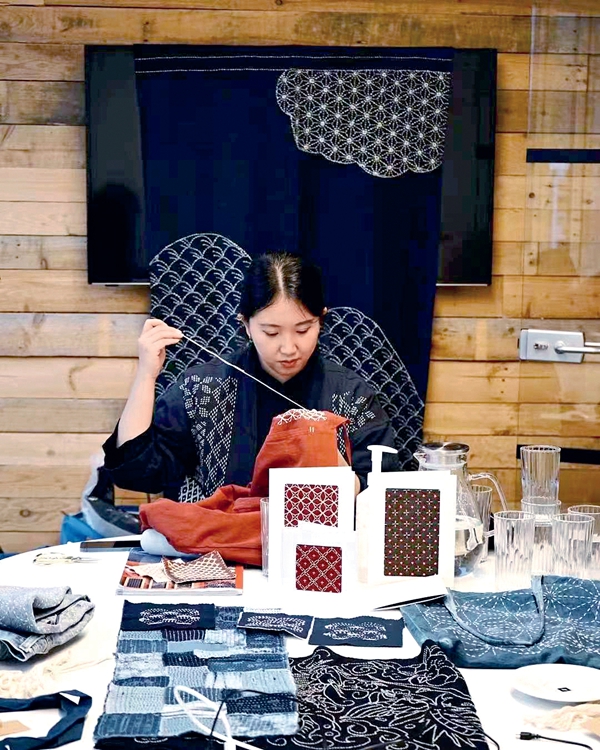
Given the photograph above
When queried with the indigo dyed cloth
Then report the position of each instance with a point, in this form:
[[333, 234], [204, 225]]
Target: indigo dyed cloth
[[558, 620], [223, 663], [411, 704], [279, 622], [33, 621], [151, 617], [357, 631]]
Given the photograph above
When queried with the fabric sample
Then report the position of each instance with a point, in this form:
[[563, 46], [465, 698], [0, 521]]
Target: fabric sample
[[152, 617], [357, 631], [209, 567], [515, 628], [298, 625], [155, 571], [33, 621], [411, 704], [318, 568], [221, 663], [412, 530], [311, 502]]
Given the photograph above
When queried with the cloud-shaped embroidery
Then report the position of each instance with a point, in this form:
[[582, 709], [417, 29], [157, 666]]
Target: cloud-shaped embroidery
[[386, 121]]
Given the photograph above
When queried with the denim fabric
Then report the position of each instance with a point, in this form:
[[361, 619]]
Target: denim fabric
[[74, 706], [33, 621], [357, 631], [513, 629], [40, 610]]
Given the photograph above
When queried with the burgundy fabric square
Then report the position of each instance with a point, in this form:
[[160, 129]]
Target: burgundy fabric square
[[318, 568], [315, 503], [412, 530]]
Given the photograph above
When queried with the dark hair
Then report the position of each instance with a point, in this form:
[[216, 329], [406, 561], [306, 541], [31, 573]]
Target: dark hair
[[283, 274]]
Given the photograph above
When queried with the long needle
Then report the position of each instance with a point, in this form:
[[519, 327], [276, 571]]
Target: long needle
[[239, 369]]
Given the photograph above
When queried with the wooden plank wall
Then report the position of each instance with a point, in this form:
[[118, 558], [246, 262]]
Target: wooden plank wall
[[67, 350]]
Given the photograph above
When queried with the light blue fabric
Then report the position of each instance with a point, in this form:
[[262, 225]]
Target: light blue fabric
[[558, 620], [155, 543], [33, 621]]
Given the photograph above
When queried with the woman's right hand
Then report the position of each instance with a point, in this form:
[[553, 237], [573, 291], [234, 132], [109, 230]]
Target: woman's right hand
[[152, 343]]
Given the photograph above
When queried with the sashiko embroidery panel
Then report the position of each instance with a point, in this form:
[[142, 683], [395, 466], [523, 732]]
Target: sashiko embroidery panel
[[319, 568], [140, 705], [412, 529], [313, 503], [413, 704]]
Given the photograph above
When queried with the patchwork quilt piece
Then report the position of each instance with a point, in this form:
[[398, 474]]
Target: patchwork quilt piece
[[357, 631], [222, 663], [297, 625], [318, 568], [315, 503], [411, 704], [412, 529]]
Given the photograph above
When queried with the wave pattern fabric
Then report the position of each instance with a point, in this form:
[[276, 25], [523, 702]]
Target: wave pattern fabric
[[223, 663], [413, 704], [513, 629]]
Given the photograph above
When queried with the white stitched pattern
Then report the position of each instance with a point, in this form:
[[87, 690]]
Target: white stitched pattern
[[373, 631], [157, 616], [293, 415], [388, 122]]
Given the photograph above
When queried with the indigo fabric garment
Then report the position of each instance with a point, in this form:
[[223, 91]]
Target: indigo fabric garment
[[151, 617], [68, 728], [222, 664], [357, 631], [515, 628], [33, 621], [298, 625], [411, 704]]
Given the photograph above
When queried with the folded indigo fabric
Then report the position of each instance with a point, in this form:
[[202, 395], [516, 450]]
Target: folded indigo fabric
[[250, 672], [557, 620], [35, 620]]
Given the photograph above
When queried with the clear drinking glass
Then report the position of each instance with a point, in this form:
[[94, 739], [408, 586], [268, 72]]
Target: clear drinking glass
[[544, 511], [571, 544], [513, 544], [483, 498], [540, 465], [264, 534], [594, 512]]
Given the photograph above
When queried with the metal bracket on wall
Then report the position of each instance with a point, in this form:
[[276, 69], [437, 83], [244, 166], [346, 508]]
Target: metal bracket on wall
[[555, 346]]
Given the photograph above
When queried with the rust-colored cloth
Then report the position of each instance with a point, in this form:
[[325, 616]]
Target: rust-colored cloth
[[229, 520]]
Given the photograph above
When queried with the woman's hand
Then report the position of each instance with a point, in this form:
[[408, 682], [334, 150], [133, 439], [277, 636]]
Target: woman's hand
[[152, 343]]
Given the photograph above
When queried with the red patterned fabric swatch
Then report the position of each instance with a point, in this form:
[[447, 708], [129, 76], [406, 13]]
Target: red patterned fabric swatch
[[318, 568], [315, 503], [412, 530]]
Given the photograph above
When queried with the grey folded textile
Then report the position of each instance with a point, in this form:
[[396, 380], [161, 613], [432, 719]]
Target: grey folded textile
[[35, 620]]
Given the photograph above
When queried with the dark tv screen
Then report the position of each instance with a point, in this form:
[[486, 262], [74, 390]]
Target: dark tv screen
[[118, 252]]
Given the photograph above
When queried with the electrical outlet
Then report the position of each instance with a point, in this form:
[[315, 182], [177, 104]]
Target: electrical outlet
[[540, 346]]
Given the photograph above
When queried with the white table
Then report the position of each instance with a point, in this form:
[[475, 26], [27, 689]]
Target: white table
[[502, 711]]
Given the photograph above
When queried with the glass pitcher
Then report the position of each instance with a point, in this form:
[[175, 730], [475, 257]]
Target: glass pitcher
[[471, 529]]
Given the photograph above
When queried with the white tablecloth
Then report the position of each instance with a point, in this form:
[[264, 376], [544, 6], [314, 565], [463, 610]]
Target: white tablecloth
[[502, 710]]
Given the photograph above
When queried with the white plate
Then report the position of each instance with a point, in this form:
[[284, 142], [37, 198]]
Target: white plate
[[565, 683]]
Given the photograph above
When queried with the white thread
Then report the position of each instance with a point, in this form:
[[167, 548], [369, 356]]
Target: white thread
[[239, 369], [228, 739]]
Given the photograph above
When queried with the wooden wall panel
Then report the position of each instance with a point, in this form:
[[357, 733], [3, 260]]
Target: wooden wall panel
[[67, 350]]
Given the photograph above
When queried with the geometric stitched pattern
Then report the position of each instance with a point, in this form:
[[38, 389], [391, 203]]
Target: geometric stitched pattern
[[298, 625], [315, 503], [412, 528], [386, 121], [357, 631], [293, 415], [209, 567], [318, 568]]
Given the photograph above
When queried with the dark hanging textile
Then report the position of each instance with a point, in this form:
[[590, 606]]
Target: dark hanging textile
[[333, 153]]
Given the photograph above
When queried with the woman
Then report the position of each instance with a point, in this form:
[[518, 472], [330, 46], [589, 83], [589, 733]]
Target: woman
[[208, 427]]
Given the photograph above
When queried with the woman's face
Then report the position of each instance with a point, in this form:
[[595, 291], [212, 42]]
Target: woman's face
[[285, 335]]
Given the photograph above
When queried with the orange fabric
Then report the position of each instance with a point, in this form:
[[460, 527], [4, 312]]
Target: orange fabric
[[229, 520]]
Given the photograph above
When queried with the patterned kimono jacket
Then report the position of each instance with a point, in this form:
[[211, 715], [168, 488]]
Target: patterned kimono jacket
[[209, 425]]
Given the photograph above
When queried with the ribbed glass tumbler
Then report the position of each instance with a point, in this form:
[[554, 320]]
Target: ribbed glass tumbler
[[513, 544], [571, 544]]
